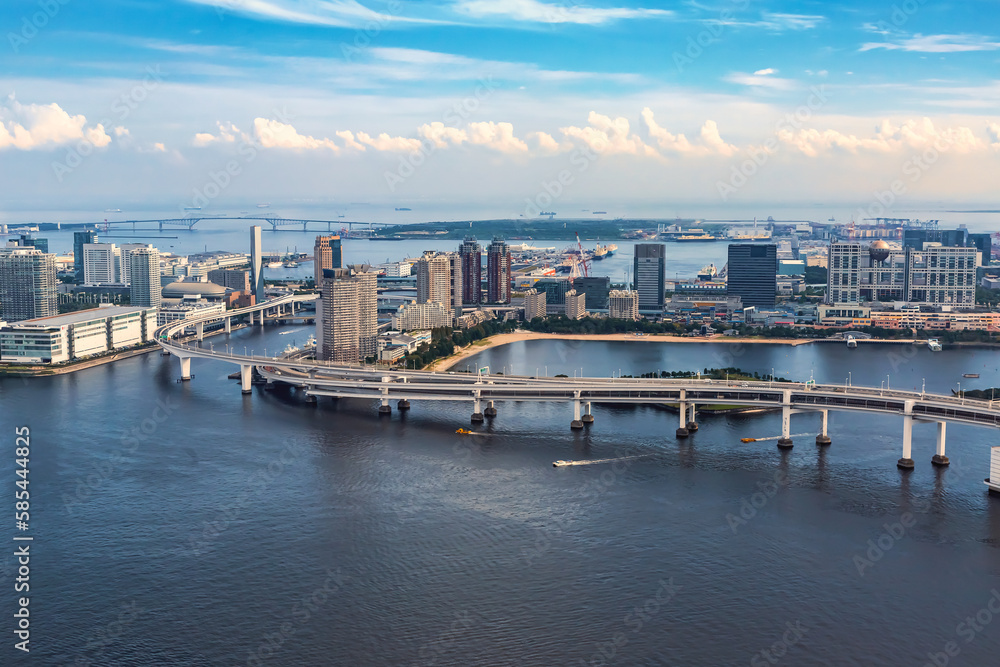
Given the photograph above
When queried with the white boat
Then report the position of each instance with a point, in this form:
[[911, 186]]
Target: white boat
[[851, 343], [560, 463], [274, 265], [933, 344], [291, 265]]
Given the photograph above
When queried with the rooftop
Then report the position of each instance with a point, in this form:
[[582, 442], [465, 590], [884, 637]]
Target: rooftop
[[79, 316]]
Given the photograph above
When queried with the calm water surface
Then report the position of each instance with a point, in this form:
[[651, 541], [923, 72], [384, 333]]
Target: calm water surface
[[260, 530]]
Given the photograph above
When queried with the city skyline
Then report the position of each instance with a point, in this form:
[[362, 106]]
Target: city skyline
[[457, 102]]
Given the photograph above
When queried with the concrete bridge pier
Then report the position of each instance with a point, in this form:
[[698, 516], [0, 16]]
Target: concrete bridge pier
[[229, 325], [785, 441], [385, 408], [185, 369], [199, 330], [940, 459], [823, 439], [682, 429], [691, 425], [577, 423], [587, 418], [311, 398], [490, 411], [906, 462], [245, 373], [403, 405], [477, 411]]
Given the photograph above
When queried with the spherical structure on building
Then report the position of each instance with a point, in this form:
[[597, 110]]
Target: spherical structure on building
[[879, 251], [181, 289]]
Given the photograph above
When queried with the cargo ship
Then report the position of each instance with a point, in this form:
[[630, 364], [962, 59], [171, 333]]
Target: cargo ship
[[696, 237], [603, 251]]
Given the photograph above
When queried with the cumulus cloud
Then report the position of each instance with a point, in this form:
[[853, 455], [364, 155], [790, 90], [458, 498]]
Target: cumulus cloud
[[383, 142], [606, 135], [271, 133], [546, 143], [498, 136], [711, 143], [228, 133], [913, 134], [765, 72], [40, 126], [349, 140], [441, 135]]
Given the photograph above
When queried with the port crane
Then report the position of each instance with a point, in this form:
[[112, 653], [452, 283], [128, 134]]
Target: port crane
[[583, 258]]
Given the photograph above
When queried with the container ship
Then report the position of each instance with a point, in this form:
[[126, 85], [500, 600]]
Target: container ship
[[696, 237]]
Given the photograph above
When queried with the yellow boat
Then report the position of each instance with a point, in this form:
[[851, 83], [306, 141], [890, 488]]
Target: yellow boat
[[748, 439], [463, 431]]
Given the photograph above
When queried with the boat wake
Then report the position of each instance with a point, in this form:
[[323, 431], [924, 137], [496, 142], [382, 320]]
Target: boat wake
[[560, 464]]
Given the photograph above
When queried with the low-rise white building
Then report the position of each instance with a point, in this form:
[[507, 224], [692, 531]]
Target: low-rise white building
[[189, 308], [396, 269], [432, 315], [61, 338]]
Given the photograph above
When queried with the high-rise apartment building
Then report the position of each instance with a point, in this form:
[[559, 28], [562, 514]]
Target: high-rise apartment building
[[102, 264], [327, 254], [434, 281], [498, 271], [623, 305], [126, 250], [534, 304], [753, 273], [576, 305], [79, 240], [256, 265], [144, 289], [472, 271], [27, 284], [347, 316], [649, 275], [455, 268], [933, 275]]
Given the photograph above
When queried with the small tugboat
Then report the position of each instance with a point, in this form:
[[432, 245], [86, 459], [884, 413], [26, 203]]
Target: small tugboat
[[560, 463]]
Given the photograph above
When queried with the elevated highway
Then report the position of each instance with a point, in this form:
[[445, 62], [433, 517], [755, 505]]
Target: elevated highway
[[483, 390]]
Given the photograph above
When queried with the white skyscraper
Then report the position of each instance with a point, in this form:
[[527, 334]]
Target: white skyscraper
[[102, 264], [256, 274]]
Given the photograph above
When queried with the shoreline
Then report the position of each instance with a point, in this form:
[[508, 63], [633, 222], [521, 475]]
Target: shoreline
[[447, 363]]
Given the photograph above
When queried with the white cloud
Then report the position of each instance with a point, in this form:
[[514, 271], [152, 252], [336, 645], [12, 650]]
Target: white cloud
[[498, 136], [765, 72], [777, 22], [331, 13], [759, 80], [159, 147], [441, 135], [33, 126], [271, 133], [546, 143], [607, 136], [227, 135], [349, 140], [543, 12], [889, 137], [383, 142], [711, 141], [936, 44]]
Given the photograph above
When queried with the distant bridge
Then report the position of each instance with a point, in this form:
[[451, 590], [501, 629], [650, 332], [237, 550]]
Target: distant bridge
[[275, 222]]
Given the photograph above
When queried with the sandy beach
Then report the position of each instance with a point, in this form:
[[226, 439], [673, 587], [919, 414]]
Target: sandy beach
[[506, 339]]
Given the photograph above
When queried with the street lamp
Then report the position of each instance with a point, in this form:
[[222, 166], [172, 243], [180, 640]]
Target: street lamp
[[887, 383]]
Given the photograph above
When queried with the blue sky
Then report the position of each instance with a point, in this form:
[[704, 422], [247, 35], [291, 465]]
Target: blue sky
[[458, 101]]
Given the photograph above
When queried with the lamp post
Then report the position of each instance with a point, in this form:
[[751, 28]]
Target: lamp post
[[850, 381]]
